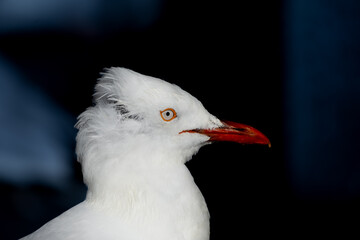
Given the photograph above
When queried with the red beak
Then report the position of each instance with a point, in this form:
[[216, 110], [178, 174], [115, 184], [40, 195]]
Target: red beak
[[234, 132]]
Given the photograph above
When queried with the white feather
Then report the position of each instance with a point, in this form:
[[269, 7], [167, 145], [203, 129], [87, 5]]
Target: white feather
[[133, 164]]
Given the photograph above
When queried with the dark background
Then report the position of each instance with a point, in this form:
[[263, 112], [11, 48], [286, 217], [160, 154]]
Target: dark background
[[289, 68]]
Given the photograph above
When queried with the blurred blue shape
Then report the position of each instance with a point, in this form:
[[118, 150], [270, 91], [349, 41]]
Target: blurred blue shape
[[37, 136], [323, 97], [84, 16]]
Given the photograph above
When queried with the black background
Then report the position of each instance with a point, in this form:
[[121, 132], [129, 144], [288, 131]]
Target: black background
[[232, 56]]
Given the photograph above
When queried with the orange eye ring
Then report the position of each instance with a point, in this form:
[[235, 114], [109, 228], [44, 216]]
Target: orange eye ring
[[168, 114]]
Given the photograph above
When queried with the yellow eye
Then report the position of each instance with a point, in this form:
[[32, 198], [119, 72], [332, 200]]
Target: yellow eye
[[168, 114]]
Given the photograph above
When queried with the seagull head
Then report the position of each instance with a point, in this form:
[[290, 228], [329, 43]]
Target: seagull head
[[141, 117]]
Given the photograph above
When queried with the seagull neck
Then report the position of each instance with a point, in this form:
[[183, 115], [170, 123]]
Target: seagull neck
[[141, 173]]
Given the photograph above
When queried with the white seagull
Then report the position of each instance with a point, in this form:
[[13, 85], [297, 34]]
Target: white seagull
[[133, 145]]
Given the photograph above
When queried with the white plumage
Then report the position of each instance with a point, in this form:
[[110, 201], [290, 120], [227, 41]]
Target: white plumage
[[132, 159]]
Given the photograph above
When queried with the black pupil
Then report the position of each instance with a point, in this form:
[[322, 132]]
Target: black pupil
[[167, 114]]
